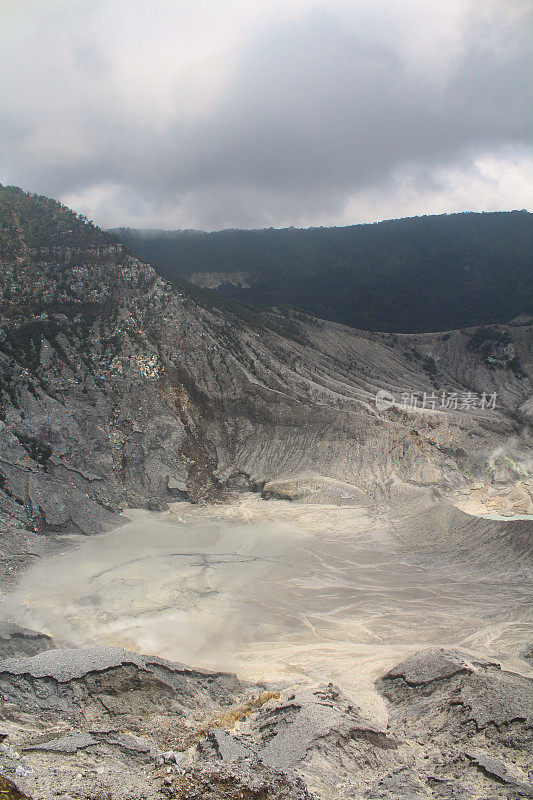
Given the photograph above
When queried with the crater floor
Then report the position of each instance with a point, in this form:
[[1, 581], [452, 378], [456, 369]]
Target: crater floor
[[272, 590]]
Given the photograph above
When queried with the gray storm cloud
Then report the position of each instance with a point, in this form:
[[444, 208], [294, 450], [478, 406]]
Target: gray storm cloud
[[267, 114]]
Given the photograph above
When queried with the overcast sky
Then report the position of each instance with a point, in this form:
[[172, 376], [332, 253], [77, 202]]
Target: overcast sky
[[206, 114]]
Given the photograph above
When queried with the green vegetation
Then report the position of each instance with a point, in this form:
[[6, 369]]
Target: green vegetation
[[38, 451], [36, 231], [516, 366], [484, 338], [33, 223], [284, 322], [412, 275], [25, 339], [430, 366], [490, 343], [3, 488]]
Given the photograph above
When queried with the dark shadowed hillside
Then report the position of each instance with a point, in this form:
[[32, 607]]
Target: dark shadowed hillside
[[411, 275]]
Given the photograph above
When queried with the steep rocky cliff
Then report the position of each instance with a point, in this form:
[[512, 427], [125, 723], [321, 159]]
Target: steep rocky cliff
[[119, 388]]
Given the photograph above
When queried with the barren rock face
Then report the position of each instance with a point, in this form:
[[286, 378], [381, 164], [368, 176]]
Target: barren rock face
[[476, 718], [456, 729], [101, 719]]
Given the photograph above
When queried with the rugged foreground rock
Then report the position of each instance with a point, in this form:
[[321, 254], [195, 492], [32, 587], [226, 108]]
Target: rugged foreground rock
[[107, 723]]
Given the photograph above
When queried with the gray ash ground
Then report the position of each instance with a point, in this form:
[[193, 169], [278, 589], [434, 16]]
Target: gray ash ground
[[310, 605]]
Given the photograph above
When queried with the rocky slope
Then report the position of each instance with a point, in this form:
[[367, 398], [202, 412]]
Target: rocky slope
[[118, 389]]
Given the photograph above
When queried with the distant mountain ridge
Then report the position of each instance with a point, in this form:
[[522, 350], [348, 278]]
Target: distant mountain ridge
[[411, 275]]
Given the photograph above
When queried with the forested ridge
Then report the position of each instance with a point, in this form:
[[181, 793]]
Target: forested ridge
[[409, 275]]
